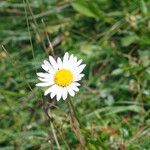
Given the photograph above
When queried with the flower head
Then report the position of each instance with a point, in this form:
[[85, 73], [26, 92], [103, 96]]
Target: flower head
[[61, 76]]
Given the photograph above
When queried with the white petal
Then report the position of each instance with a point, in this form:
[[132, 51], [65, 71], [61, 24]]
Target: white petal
[[47, 76], [53, 62], [79, 62], [53, 90], [70, 64], [49, 90], [65, 60], [59, 93], [80, 68], [81, 75], [48, 79], [78, 77], [43, 75], [47, 63], [53, 94], [44, 84], [47, 66], [65, 93], [71, 61], [71, 57], [76, 83], [70, 91], [74, 87], [44, 79], [66, 57], [59, 62], [75, 59]]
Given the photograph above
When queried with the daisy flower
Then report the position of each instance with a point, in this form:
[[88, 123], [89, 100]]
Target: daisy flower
[[61, 76]]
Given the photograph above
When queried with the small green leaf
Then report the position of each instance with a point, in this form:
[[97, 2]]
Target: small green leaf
[[144, 7], [117, 71], [82, 7], [126, 41]]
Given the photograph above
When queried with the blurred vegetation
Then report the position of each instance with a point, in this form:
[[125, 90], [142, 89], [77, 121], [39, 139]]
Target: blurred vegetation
[[113, 105]]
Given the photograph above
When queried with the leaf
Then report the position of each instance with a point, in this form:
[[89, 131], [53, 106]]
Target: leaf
[[144, 41], [82, 7], [117, 71], [126, 41], [115, 109], [145, 58], [144, 7]]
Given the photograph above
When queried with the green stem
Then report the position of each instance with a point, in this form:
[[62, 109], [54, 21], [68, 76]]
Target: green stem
[[70, 104], [75, 123]]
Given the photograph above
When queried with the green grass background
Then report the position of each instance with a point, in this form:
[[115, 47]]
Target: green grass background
[[113, 105]]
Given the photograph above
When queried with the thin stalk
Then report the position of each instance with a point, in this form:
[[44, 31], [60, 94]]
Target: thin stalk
[[52, 127], [75, 124], [36, 27], [28, 27], [49, 42], [73, 109], [63, 138], [54, 134]]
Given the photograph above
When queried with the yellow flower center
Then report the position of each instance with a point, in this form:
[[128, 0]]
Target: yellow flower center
[[63, 77]]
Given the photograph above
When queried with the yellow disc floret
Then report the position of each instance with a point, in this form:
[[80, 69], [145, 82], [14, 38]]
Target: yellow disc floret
[[63, 77]]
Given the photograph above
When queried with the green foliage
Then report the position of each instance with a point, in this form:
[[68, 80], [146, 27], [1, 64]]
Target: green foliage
[[112, 37]]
